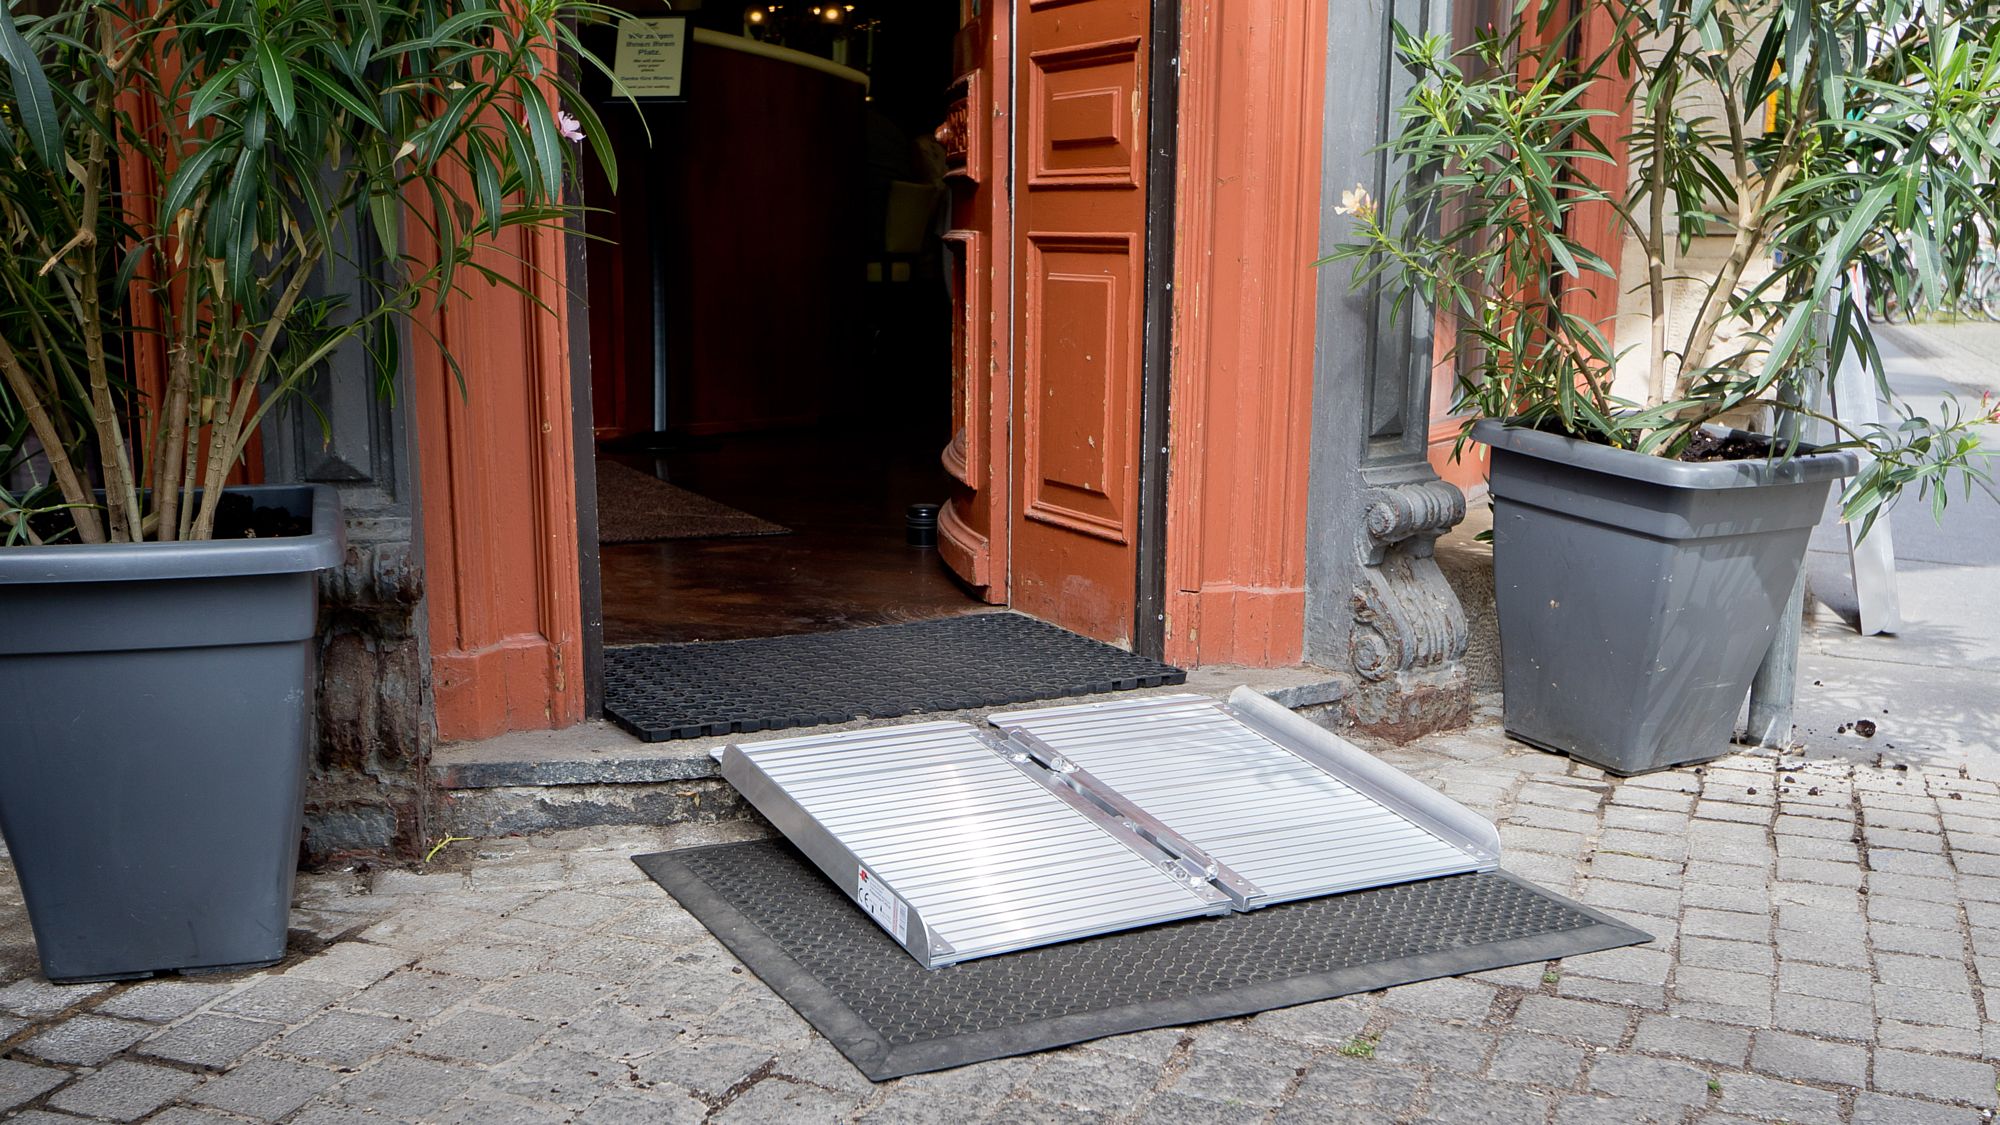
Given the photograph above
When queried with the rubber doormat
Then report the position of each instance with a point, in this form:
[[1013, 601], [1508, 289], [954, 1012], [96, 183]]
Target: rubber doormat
[[890, 1016], [661, 692]]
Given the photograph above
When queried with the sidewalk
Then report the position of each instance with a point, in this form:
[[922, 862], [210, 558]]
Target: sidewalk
[[1930, 689], [1828, 948]]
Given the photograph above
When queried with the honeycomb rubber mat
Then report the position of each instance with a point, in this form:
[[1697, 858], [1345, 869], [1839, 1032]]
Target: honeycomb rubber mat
[[891, 1017], [662, 692]]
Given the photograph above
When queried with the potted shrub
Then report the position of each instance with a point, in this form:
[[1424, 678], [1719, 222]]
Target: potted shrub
[[175, 179], [1643, 548]]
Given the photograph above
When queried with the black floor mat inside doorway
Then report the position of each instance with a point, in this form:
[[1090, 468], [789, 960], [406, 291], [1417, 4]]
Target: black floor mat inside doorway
[[891, 1017], [662, 692]]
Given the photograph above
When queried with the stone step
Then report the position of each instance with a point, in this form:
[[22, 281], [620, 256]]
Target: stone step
[[596, 774]]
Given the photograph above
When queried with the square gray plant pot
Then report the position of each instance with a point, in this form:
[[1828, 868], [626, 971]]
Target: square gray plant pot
[[153, 743], [1637, 595]]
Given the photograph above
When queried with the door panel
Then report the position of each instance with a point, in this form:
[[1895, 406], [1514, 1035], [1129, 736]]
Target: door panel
[[972, 526], [1080, 223]]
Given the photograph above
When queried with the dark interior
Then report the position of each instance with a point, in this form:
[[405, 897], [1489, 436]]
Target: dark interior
[[770, 324]]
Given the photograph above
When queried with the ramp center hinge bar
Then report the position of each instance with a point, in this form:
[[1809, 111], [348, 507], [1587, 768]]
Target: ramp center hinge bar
[[1192, 861]]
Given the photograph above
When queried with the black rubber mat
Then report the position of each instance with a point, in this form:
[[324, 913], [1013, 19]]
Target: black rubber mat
[[660, 692], [890, 1016]]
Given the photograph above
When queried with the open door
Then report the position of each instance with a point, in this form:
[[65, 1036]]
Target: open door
[[972, 525], [1079, 306]]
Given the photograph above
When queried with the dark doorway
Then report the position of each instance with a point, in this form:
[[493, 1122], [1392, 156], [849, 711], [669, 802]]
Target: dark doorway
[[770, 326]]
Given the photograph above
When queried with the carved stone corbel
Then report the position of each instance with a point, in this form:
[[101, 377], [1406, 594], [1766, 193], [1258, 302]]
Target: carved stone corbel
[[1409, 633]]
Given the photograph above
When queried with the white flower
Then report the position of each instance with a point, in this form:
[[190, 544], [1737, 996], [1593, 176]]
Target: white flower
[[572, 129], [1357, 203]]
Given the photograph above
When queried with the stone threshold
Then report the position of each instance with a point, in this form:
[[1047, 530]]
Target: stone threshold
[[600, 753]]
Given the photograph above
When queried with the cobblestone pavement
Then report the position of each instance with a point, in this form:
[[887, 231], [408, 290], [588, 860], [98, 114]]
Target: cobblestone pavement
[[1828, 950]]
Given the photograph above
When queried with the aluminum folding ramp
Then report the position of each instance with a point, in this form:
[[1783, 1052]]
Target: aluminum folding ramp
[[1067, 822]]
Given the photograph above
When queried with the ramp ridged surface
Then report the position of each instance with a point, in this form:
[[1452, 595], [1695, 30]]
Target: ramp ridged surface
[[890, 1016], [988, 858], [1278, 820], [662, 692]]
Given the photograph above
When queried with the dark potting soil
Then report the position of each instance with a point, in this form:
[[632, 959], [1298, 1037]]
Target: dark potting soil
[[237, 518], [1732, 447]]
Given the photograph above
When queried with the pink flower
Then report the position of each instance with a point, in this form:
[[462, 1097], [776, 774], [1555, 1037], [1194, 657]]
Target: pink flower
[[572, 129]]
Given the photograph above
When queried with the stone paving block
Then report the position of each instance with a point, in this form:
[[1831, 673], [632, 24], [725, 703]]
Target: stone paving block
[[1885, 906], [654, 1107], [1651, 997], [622, 1031], [1646, 820], [1384, 1088], [1890, 864], [267, 1089], [1328, 1023], [1772, 1098], [1577, 1019], [38, 999], [1561, 797], [1930, 1040], [988, 1083], [1636, 869], [1883, 1109], [85, 1040], [1707, 809], [1259, 1076], [486, 960], [209, 1040], [1536, 1059], [552, 994], [1941, 973], [355, 964], [613, 957], [914, 1107], [1649, 1079], [1822, 872], [1721, 873], [1452, 1099], [1741, 900], [343, 1038], [1880, 818], [706, 1066], [1610, 894], [1792, 824], [1721, 986], [1091, 1080], [662, 922], [1521, 838], [1820, 848], [1923, 941], [1447, 998], [1967, 863], [1558, 873], [21, 1082], [483, 1108], [426, 928], [1632, 964], [574, 909], [1594, 1109], [1422, 1042], [1813, 1060], [1720, 953], [161, 1001], [557, 1075], [693, 980], [1839, 948], [1693, 1039], [1927, 841], [1813, 1015], [285, 999], [479, 1038], [403, 1087], [758, 1016], [1854, 985], [1025, 1110], [123, 1091], [1954, 1080], [1185, 1108], [1653, 799], [1925, 1006], [1651, 845]]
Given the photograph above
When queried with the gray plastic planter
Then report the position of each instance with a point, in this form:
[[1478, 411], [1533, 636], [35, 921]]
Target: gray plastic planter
[[155, 707], [1638, 595]]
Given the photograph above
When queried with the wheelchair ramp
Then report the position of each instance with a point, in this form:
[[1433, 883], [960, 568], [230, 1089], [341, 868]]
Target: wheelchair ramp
[[1068, 822], [957, 849]]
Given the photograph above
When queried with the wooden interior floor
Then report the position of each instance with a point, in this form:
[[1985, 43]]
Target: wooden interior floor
[[842, 492]]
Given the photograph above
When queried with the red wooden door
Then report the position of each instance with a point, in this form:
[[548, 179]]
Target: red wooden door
[[972, 527], [1079, 303]]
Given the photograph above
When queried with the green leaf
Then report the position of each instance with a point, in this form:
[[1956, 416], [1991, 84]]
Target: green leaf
[[277, 77], [346, 98], [548, 143], [33, 102]]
